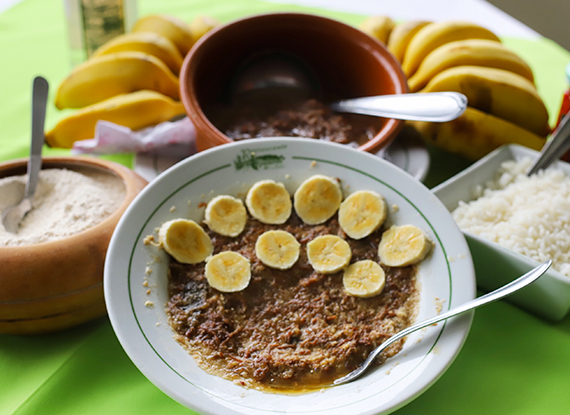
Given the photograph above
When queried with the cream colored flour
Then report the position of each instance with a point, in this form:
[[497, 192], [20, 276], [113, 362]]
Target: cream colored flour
[[66, 203]]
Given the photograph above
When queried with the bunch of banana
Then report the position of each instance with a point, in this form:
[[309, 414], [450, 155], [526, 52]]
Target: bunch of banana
[[401, 36], [169, 27], [504, 105], [379, 27], [132, 80], [497, 92], [135, 110], [471, 52], [150, 43]]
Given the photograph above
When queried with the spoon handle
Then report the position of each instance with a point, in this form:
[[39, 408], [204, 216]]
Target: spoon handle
[[499, 293], [558, 144], [39, 102], [433, 106]]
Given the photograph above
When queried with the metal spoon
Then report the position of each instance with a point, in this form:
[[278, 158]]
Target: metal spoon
[[287, 75], [12, 216], [431, 106], [499, 293], [558, 144]]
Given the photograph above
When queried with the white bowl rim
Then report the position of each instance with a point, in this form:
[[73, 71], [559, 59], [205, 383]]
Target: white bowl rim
[[459, 328]]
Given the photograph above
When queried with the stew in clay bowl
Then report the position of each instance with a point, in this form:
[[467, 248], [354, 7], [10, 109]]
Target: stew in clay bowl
[[336, 61]]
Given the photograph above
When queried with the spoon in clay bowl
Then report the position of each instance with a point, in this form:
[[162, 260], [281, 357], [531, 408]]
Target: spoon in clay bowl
[[12, 216], [283, 75], [499, 293]]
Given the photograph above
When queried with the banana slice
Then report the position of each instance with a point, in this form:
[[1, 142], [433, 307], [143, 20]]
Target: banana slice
[[403, 245], [277, 249], [226, 215], [269, 202], [328, 254], [228, 272], [317, 199], [185, 240], [362, 213], [364, 279]]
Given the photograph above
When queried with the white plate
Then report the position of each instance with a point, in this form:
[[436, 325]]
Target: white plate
[[446, 278], [408, 152]]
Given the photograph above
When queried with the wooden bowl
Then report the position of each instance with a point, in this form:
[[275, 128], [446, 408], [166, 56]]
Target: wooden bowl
[[347, 62], [59, 284]]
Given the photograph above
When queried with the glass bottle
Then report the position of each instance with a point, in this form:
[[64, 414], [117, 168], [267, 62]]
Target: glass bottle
[[90, 23]]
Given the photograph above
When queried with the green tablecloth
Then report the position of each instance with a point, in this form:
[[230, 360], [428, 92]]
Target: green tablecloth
[[512, 362]]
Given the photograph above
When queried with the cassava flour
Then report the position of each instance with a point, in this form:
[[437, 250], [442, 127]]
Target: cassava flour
[[529, 215], [65, 203]]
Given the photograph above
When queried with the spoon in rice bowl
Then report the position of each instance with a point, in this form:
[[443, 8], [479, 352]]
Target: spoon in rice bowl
[[558, 144], [499, 293]]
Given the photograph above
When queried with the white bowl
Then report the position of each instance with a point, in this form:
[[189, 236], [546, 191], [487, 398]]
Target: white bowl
[[446, 278], [495, 266]]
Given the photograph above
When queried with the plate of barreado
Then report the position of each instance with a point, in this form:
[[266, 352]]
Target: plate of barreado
[[248, 277]]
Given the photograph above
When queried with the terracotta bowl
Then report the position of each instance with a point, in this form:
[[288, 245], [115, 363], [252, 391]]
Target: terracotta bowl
[[347, 63], [59, 284]]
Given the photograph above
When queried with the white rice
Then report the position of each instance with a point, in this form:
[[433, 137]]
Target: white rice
[[529, 215]]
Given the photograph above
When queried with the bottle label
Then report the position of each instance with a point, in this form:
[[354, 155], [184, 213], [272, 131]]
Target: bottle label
[[102, 21]]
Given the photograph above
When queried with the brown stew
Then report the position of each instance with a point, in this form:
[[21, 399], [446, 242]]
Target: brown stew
[[292, 330], [309, 119]]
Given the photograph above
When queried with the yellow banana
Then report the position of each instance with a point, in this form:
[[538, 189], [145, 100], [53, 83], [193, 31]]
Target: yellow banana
[[379, 27], [362, 213], [401, 36], [436, 34], [185, 241], [498, 92], [202, 25], [226, 215], [277, 249], [228, 272], [135, 110], [404, 245], [317, 199], [479, 52], [168, 26], [147, 42], [117, 73], [475, 134], [269, 202], [364, 279], [328, 254]]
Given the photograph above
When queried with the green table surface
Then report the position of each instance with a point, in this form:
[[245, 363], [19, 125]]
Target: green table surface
[[512, 362]]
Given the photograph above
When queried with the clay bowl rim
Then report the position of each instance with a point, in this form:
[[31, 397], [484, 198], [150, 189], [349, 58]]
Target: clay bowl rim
[[78, 161], [382, 139]]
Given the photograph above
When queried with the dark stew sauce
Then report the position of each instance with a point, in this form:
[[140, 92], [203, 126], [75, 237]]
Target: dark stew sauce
[[309, 118], [289, 331]]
